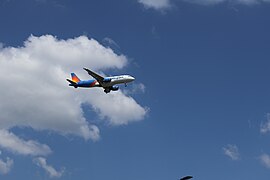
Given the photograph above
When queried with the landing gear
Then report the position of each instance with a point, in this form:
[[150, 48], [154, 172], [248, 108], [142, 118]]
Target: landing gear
[[125, 84], [107, 91]]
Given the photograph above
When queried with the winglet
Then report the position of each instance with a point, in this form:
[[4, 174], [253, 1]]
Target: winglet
[[88, 70]]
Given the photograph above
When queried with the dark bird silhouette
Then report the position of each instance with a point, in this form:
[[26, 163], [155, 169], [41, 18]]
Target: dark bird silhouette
[[186, 178]]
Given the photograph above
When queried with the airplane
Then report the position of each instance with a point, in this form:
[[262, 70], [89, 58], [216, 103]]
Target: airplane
[[108, 83]]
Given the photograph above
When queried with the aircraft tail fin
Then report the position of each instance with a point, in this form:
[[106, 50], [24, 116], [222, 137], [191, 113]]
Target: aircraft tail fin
[[75, 79]]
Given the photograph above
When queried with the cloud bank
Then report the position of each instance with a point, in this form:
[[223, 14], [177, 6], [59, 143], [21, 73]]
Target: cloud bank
[[35, 94]]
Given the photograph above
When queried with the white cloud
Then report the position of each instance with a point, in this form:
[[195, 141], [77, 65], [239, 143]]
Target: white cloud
[[140, 87], [231, 151], [156, 4], [212, 2], [251, 2], [42, 162], [34, 92], [248, 2], [205, 2], [164, 4], [120, 110], [5, 166], [19, 146], [135, 88], [265, 160], [265, 127], [110, 42]]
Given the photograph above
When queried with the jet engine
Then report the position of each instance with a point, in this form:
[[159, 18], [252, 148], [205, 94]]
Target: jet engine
[[106, 80], [114, 88]]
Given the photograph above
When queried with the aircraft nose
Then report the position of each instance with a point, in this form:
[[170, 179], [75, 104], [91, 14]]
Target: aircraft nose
[[132, 78]]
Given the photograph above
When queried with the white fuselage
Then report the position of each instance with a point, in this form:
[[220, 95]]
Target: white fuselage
[[122, 79]]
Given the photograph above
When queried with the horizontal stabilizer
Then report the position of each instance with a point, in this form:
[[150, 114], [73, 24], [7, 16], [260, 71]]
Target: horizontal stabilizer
[[71, 82]]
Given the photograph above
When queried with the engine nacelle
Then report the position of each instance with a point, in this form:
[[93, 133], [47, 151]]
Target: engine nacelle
[[114, 88], [106, 80]]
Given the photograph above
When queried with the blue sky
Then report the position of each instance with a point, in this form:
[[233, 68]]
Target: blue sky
[[199, 105]]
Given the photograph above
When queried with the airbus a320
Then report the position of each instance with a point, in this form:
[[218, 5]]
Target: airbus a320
[[107, 83]]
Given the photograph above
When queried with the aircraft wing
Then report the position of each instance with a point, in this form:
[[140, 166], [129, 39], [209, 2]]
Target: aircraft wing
[[98, 77]]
